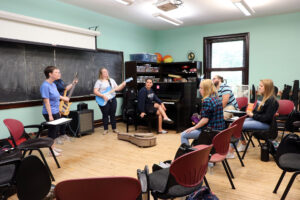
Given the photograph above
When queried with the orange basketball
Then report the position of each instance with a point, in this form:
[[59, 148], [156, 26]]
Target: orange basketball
[[168, 59], [159, 57]]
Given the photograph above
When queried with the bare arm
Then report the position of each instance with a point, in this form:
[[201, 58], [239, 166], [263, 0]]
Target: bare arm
[[200, 124], [225, 99], [75, 81], [48, 108], [120, 87], [97, 93], [69, 86]]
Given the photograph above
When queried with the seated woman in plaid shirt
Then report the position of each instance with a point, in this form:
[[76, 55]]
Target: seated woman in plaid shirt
[[211, 113]]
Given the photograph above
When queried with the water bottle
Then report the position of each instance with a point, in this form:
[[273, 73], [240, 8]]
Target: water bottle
[[264, 154], [210, 167]]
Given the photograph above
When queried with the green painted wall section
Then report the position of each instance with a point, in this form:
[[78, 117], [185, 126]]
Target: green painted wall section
[[274, 45], [115, 35]]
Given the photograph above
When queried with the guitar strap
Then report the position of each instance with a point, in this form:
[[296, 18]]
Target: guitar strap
[[110, 86]]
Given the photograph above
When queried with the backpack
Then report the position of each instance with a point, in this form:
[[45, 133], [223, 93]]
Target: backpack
[[204, 193]]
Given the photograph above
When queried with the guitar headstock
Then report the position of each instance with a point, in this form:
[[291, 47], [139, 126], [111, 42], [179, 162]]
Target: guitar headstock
[[129, 79]]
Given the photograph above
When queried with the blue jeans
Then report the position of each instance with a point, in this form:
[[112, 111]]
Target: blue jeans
[[191, 135], [251, 124]]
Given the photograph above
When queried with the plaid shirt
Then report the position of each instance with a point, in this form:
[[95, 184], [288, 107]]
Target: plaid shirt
[[213, 110]]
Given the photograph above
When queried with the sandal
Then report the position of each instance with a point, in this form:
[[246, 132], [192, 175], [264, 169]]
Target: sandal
[[168, 121], [163, 132]]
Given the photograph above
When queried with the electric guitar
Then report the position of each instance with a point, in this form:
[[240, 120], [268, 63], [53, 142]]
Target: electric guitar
[[108, 93], [64, 107]]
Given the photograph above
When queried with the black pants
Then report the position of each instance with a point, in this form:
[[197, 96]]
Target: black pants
[[53, 130], [109, 110]]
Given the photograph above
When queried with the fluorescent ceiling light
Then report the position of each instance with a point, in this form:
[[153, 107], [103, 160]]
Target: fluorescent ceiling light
[[168, 19], [125, 2], [243, 6]]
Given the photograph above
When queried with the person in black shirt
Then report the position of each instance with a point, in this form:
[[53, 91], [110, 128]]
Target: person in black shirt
[[61, 87], [148, 102], [262, 116]]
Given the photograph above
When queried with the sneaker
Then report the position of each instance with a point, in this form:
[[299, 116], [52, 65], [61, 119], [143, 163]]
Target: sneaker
[[65, 138], [242, 147], [116, 131], [57, 150], [55, 153], [105, 132], [58, 141], [163, 132], [230, 155]]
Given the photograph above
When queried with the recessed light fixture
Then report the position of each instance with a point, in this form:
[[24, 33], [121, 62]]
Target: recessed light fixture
[[244, 7], [125, 2], [168, 19]]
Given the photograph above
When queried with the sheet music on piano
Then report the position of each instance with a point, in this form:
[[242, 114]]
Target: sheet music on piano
[[59, 121]]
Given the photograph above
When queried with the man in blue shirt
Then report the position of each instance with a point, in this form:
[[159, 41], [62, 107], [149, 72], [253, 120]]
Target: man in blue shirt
[[225, 94]]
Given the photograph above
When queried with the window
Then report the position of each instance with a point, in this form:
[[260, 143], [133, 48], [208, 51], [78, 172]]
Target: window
[[228, 56]]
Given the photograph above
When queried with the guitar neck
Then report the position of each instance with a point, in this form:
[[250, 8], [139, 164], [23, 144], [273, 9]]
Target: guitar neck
[[71, 91]]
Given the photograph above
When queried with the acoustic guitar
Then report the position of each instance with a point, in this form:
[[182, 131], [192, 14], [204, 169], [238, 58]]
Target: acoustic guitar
[[108, 93], [64, 107]]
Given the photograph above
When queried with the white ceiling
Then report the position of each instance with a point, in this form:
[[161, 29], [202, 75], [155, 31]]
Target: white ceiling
[[192, 12]]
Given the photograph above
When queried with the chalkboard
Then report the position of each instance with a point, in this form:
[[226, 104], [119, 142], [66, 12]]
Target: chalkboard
[[22, 69]]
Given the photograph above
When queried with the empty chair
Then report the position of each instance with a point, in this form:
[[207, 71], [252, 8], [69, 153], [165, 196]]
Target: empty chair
[[183, 177], [106, 188], [242, 103], [286, 107], [29, 176], [16, 130], [287, 158], [221, 145], [236, 135]]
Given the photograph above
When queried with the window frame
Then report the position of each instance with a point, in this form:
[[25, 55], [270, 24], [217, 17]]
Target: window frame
[[207, 54]]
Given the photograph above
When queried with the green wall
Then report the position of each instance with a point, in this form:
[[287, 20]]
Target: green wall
[[115, 35], [274, 45]]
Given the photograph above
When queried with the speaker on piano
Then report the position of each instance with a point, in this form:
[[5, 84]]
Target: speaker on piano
[[82, 122]]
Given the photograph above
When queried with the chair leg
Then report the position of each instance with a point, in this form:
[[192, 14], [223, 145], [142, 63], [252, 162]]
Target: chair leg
[[287, 189], [228, 175], [250, 139], [229, 169], [238, 154], [54, 157], [206, 183], [46, 164], [279, 182], [127, 124]]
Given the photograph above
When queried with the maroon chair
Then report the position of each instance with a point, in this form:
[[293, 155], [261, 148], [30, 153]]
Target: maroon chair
[[16, 130], [184, 176], [221, 144], [108, 188], [242, 103], [236, 135], [286, 107]]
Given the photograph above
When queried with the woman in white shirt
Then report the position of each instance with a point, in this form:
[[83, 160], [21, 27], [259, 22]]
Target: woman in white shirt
[[109, 109]]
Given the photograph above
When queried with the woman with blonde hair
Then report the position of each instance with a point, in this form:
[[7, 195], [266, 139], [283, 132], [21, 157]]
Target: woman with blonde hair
[[211, 112], [261, 117], [109, 109]]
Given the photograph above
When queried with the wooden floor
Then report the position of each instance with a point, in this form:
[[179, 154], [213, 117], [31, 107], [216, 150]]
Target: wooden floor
[[99, 155]]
